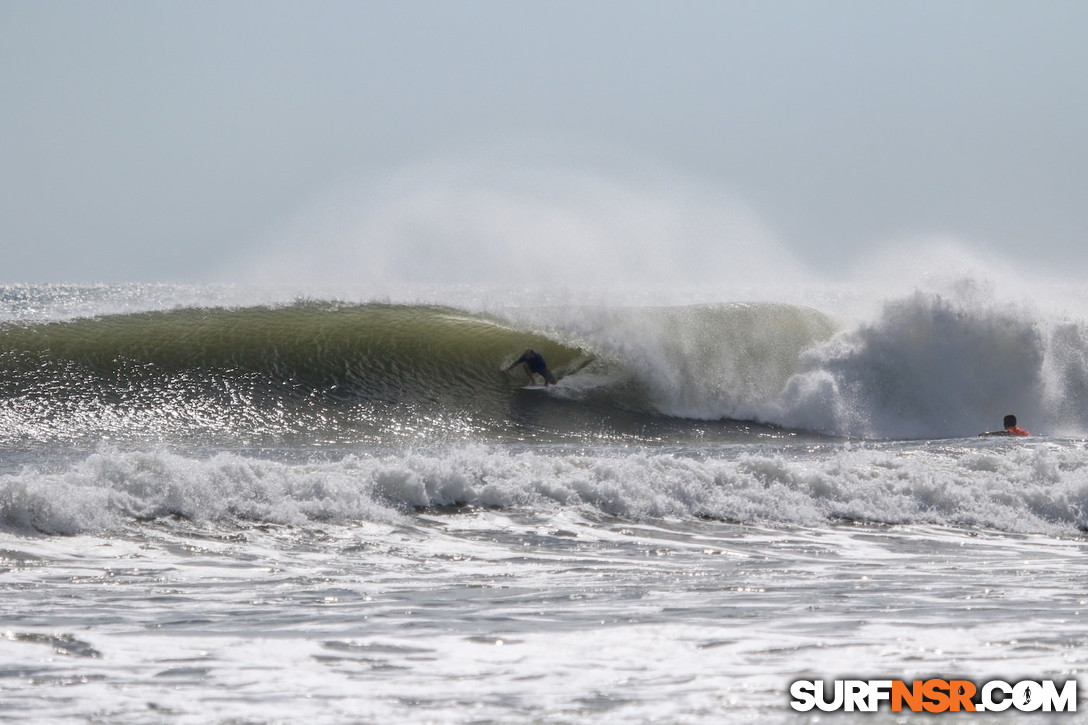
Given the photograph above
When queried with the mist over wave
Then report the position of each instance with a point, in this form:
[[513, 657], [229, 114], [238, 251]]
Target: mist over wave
[[525, 225], [924, 336]]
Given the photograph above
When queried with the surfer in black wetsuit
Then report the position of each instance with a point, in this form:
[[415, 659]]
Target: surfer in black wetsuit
[[534, 363]]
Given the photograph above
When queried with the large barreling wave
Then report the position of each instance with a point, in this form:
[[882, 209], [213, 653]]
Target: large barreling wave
[[306, 372], [311, 372]]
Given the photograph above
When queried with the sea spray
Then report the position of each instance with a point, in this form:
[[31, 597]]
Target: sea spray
[[932, 276], [702, 362], [927, 367], [1065, 372]]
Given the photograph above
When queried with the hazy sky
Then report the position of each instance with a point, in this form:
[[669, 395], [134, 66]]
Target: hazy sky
[[179, 141]]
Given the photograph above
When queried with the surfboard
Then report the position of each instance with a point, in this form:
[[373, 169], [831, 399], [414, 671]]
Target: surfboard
[[534, 387]]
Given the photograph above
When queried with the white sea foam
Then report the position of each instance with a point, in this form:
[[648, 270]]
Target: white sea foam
[[933, 367], [500, 615], [925, 365], [1039, 486]]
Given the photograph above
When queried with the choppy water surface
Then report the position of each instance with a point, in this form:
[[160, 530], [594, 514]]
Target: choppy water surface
[[507, 617]]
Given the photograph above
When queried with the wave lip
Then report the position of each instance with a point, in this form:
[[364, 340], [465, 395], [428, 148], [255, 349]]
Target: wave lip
[[707, 361]]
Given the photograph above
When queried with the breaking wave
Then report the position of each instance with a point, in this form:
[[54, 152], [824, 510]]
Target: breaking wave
[[323, 372], [1037, 486]]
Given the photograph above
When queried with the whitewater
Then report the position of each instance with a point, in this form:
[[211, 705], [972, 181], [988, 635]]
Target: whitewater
[[229, 504]]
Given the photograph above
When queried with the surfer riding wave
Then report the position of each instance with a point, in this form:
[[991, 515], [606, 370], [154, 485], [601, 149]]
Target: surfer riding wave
[[534, 363]]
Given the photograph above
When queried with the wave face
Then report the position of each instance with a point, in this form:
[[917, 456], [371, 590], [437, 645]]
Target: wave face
[[321, 372], [318, 373], [309, 371]]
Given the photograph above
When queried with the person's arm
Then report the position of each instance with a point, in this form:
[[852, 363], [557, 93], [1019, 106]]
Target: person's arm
[[517, 362]]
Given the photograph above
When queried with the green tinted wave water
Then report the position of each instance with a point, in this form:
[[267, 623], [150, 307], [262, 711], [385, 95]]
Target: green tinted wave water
[[321, 373]]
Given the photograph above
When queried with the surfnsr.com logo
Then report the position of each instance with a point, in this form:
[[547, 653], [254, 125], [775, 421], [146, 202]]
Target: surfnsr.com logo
[[934, 695]]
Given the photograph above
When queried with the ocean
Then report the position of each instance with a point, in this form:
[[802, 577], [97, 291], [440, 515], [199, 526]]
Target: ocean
[[228, 505]]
